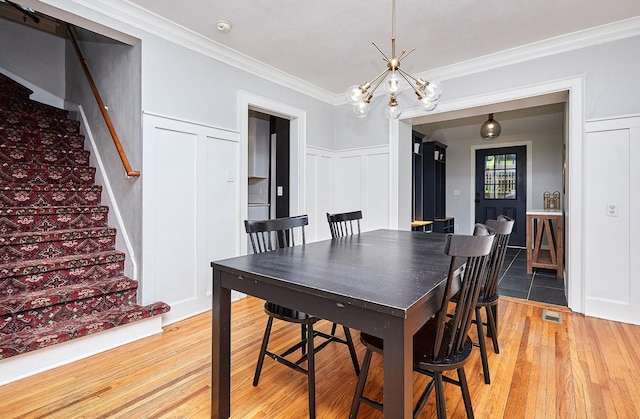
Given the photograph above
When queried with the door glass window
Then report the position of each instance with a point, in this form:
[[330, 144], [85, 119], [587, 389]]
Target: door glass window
[[500, 176]]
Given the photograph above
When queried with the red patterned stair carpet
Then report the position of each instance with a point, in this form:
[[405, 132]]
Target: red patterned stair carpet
[[61, 276]]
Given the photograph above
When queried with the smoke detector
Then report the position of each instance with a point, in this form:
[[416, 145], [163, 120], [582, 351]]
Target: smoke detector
[[223, 26]]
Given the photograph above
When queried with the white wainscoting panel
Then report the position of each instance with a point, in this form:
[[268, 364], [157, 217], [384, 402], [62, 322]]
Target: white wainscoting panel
[[361, 181], [190, 211], [319, 189], [612, 148], [349, 180], [377, 190]]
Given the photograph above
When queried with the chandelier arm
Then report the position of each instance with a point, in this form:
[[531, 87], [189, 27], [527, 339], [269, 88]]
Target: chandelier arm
[[383, 54], [405, 53], [384, 72], [404, 75]]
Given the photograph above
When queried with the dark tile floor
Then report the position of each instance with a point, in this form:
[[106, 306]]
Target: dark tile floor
[[541, 286]]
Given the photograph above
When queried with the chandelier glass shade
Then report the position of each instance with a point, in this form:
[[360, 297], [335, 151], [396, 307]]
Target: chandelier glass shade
[[393, 80], [490, 129]]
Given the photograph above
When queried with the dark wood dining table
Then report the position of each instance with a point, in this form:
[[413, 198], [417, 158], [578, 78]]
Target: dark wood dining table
[[387, 283]]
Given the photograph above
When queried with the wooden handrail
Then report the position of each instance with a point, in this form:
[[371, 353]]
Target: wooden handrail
[[103, 109]]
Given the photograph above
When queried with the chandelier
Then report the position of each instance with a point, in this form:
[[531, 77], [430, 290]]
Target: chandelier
[[393, 80]]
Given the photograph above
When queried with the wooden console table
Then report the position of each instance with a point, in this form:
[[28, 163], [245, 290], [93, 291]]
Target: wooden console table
[[549, 224], [416, 225]]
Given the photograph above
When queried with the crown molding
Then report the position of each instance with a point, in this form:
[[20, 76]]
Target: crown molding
[[137, 17], [564, 43], [144, 20], [582, 39]]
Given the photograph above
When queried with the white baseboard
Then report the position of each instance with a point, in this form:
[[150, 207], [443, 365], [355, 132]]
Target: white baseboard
[[187, 308], [31, 363], [612, 310]]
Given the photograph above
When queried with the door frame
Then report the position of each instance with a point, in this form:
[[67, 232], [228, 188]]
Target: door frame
[[574, 198], [298, 146], [472, 185]]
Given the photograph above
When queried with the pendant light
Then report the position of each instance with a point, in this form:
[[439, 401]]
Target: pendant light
[[490, 130]]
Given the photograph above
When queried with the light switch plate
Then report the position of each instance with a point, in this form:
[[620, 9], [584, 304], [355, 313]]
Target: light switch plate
[[279, 191], [612, 209]]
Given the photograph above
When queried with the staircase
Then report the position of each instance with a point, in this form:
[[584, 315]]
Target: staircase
[[61, 277]]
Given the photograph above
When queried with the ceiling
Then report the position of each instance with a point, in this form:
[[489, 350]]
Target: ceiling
[[328, 43]]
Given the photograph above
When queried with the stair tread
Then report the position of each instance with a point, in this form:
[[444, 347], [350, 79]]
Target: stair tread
[[48, 335], [48, 187], [29, 237], [23, 301], [44, 148], [55, 210], [44, 166], [30, 267]]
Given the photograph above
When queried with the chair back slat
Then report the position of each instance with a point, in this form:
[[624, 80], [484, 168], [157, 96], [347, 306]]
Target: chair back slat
[[344, 224], [502, 227], [267, 235], [476, 249]]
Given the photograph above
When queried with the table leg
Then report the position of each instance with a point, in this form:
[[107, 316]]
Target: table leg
[[220, 350], [560, 247], [530, 220], [398, 371]]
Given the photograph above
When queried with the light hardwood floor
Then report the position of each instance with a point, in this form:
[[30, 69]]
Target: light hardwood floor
[[582, 368]]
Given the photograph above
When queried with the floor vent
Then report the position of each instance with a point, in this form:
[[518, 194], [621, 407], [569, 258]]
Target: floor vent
[[552, 316]]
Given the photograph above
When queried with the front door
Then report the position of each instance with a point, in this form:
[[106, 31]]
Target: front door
[[501, 188]]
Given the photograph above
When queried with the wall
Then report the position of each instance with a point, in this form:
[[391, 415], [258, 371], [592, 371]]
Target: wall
[[347, 180], [612, 148], [198, 88], [190, 213], [115, 69], [35, 56]]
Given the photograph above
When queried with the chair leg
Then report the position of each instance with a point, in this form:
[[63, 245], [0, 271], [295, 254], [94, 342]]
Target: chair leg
[[303, 336], [333, 329], [311, 372], [462, 378], [440, 402], [263, 350], [493, 328], [483, 347], [352, 349], [362, 379], [423, 398]]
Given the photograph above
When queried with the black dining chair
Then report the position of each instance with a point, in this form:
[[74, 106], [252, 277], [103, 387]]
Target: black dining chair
[[489, 296], [267, 235], [344, 223], [442, 344]]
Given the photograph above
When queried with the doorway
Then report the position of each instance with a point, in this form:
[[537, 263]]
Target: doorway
[[268, 166], [571, 91], [296, 118], [501, 188]]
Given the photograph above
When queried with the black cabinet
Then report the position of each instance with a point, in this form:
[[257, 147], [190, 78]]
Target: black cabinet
[[434, 180], [417, 187]]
